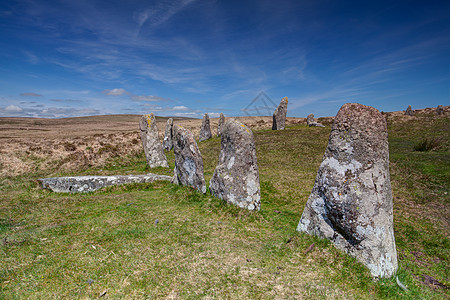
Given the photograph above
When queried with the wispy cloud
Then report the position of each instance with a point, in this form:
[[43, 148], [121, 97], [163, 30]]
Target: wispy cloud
[[30, 95], [115, 92]]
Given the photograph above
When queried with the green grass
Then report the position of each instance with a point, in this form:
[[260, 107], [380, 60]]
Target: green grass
[[78, 246]]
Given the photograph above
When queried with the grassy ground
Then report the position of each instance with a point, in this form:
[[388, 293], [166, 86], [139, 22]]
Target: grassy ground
[[163, 241]]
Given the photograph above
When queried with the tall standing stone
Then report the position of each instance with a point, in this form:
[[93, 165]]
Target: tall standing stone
[[152, 146], [440, 110], [236, 178], [221, 123], [311, 121], [279, 116], [188, 160], [168, 135], [205, 130], [409, 111], [351, 201]]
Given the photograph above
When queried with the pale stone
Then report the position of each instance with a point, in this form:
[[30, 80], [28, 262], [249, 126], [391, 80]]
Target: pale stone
[[221, 123], [188, 160], [279, 116], [84, 184], [409, 111], [205, 130], [154, 152], [311, 121], [351, 201], [168, 135], [236, 177]]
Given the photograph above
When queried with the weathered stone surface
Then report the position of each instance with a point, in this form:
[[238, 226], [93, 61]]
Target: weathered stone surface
[[351, 201], [84, 184], [221, 123], [168, 135], [409, 111], [152, 146], [440, 110], [236, 178], [279, 116], [311, 121], [188, 160], [205, 130]]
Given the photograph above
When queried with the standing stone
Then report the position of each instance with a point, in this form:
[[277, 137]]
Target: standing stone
[[351, 201], [409, 111], [188, 160], [221, 123], [152, 146], [236, 178], [168, 135], [312, 122], [205, 130], [440, 110], [279, 116]]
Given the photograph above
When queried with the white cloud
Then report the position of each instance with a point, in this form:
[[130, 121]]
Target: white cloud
[[13, 109], [115, 92], [214, 114], [148, 98], [30, 95], [181, 107]]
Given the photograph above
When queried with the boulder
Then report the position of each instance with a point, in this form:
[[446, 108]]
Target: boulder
[[440, 110], [188, 160], [205, 130], [311, 121], [236, 177], [279, 116], [84, 184], [168, 135], [351, 201], [154, 152], [221, 123], [409, 111]]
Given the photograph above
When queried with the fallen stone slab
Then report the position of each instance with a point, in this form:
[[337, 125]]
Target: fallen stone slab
[[85, 184], [311, 121]]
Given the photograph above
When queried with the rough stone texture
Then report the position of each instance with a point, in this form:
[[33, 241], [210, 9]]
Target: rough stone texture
[[236, 178], [188, 160], [440, 110], [351, 201], [409, 111], [154, 152], [84, 184], [221, 123], [279, 116], [312, 122], [205, 130], [168, 135]]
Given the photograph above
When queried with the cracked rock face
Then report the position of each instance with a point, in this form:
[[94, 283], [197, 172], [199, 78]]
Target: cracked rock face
[[311, 121], [152, 146], [205, 130], [168, 135], [236, 177], [279, 116], [84, 184], [351, 201], [409, 111], [188, 160], [221, 123]]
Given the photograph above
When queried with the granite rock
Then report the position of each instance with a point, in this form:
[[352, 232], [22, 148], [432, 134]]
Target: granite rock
[[311, 121], [168, 135], [188, 160], [351, 201], [409, 111], [154, 152], [440, 110], [279, 116], [205, 130], [236, 177], [221, 123]]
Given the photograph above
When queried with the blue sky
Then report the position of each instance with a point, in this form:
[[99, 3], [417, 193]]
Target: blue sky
[[188, 57]]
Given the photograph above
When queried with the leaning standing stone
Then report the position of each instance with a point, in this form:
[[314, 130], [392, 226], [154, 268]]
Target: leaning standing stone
[[221, 123], [440, 110], [279, 116], [168, 135], [311, 121], [152, 146], [351, 201], [205, 130], [409, 111], [236, 178], [188, 160]]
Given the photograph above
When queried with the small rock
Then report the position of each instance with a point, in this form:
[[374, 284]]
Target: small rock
[[440, 110], [312, 122], [409, 111]]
